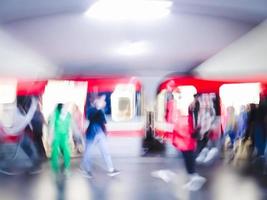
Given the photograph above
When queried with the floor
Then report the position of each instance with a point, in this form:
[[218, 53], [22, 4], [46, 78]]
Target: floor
[[134, 183]]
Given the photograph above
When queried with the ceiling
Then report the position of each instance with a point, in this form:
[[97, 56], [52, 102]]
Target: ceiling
[[246, 57], [57, 38]]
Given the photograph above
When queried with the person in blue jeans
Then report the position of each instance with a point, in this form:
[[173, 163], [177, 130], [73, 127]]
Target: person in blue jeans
[[96, 135], [231, 124]]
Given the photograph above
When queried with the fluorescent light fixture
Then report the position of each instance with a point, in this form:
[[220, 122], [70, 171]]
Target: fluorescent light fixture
[[129, 10], [133, 48]]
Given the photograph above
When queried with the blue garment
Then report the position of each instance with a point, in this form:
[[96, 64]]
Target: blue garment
[[259, 138], [232, 135], [97, 123], [242, 124], [100, 141]]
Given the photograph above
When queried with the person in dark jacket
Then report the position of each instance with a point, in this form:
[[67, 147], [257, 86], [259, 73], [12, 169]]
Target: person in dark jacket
[[37, 129], [96, 135]]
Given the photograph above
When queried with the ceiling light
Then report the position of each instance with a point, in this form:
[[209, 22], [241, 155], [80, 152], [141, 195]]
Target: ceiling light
[[129, 10]]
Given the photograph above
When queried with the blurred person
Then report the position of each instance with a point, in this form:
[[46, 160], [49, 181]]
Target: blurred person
[[19, 119], [244, 144], [37, 129], [31, 136], [61, 188], [60, 125], [259, 129], [242, 122], [96, 135], [252, 108], [210, 152], [184, 140], [79, 128], [256, 131], [195, 108], [208, 128], [231, 125], [170, 106]]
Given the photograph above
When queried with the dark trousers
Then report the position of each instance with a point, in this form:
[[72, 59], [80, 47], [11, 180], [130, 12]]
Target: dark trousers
[[189, 160], [38, 141], [28, 147], [259, 138]]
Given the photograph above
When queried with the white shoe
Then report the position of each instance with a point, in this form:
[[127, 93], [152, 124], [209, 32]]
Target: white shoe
[[212, 154], [202, 155], [166, 175], [196, 182], [113, 173]]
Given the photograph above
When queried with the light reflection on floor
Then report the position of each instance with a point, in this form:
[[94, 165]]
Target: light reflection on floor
[[134, 183]]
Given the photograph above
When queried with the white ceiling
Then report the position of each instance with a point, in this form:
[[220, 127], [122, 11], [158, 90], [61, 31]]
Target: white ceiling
[[60, 33]]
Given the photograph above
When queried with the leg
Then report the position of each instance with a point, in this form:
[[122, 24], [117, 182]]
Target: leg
[[55, 156], [201, 144], [195, 181], [25, 145], [103, 148], [86, 161], [40, 146], [189, 160], [30, 149], [64, 145], [259, 139], [77, 142], [232, 136]]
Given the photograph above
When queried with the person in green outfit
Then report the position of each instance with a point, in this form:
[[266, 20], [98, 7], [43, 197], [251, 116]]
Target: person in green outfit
[[60, 125]]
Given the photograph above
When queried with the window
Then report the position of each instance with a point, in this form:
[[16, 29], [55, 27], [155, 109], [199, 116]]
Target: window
[[123, 102]]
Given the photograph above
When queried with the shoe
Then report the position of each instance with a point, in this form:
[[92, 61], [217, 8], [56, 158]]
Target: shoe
[[202, 155], [196, 182], [86, 174], [113, 173], [211, 156], [166, 175]]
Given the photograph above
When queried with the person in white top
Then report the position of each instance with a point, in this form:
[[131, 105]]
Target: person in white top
[[13, 122]]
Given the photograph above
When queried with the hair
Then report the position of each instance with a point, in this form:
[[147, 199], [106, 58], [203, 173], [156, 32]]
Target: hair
[[196, 95], [59, 107]]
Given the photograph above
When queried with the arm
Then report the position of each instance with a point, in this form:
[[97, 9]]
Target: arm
[[23, 120], [103, 121], [51, 128], [74, 128]]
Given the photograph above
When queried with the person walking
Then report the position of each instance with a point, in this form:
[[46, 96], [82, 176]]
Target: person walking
[[60, 124], [96, 135], [184, 140]]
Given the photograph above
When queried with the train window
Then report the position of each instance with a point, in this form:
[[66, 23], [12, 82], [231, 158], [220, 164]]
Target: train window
[[238, 95], [8, 91], [184, 95], [123, 102], [124, 106], [74, 92]]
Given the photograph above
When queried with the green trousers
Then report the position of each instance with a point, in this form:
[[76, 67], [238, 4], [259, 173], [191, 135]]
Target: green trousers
[[60, 146]]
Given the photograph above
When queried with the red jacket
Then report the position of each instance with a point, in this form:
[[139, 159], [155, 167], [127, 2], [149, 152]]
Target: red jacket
[[183, 128]]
